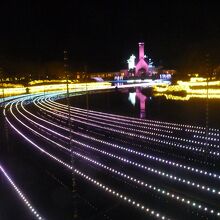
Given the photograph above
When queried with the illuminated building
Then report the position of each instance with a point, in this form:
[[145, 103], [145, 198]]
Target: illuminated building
[[142, 66], [145, 67], [166, 74]]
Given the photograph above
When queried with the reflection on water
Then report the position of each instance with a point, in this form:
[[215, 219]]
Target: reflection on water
[[132, 98], [193, 111], [142, 100]]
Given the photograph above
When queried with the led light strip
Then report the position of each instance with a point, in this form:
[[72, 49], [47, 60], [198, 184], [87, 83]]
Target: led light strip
[[154, 121], [177, 145], [153, 170], [92, 180], [112, 124], [21, 195], [141, 131], [142, 154], [139, 136], [125, 128], [135, 120], [151, 157], [102, 114], [203, 132], [123, 118], [207, 138], [100, 121], [152, 187], [148, 169], [166, 142], [134, 180], [83, 112]]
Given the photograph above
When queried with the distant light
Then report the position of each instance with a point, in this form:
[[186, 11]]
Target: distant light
[[131, 62], [132, 98]]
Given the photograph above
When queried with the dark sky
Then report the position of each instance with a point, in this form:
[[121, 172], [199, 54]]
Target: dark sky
[[103, 34]]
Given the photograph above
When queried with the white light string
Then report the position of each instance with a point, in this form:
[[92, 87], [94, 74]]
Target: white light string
[[133, 179], [99, 185]]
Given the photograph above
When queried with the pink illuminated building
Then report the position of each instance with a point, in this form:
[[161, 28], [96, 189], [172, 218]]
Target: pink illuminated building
[[141, 66]]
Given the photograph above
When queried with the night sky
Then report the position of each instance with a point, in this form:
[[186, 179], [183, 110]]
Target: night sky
[[103, 34]]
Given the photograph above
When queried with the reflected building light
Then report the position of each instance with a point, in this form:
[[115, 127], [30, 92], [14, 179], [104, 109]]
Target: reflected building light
[[142, 98], [132, 98]]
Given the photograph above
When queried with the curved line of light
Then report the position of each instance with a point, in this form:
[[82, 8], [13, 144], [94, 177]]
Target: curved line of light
[[146, 168], [88, 178], [21, 195], [172, 125], [178, 145], [139, 153], [133, 179], [113, 120]]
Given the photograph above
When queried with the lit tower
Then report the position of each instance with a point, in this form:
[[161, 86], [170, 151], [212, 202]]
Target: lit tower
[[142, 66], [141, 51]]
